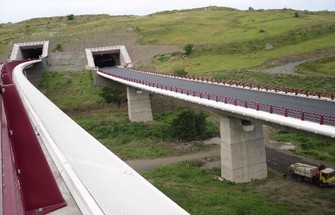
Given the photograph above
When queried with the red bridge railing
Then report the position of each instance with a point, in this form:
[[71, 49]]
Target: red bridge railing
[[287, 112]]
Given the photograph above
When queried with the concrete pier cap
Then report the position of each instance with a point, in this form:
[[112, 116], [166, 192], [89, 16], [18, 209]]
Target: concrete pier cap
[[29, 50], [243, 156], [108, 56]]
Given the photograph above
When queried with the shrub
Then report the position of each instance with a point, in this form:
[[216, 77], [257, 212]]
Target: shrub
[[58, 48], [109, 95], [70, 17], [296, 14], [188, 49], [180, 72], [189, 125]]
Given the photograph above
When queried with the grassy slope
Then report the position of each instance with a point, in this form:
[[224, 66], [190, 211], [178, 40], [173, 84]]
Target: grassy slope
[[221, 25], [71, 91], [324, 67], [59, 30], [196, 190], [138, 140], [182, 183]]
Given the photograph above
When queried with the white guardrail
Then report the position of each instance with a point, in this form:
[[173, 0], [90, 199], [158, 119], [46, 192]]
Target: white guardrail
[[100, 182]]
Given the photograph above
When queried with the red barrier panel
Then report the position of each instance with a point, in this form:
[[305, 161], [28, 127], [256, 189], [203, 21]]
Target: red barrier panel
[[38, 186], [12, 203]]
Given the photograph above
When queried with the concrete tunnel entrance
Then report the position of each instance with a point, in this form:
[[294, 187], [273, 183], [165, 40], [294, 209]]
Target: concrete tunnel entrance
[[106, 59], [108, 56], [33, 52], [29, 50]]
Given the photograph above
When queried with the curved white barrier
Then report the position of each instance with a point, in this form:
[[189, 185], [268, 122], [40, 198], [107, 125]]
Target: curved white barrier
[[99, 181]]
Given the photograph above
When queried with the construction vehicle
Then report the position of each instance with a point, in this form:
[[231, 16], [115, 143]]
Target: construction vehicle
[[324, 177]]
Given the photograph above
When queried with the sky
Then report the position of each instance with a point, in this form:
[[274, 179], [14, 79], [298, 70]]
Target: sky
[[19, 10]]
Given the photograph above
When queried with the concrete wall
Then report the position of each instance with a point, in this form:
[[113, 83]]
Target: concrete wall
[[139, 107], [243, 156], [105, 82], [35, 73]]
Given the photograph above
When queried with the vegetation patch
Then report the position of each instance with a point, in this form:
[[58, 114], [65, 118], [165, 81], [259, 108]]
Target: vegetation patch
[[306, 146], [323, 66], [71, 91], [132, 140], [110, 95], [198, 192]]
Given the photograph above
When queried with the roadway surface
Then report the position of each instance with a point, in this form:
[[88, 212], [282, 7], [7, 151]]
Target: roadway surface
[[316, 106]]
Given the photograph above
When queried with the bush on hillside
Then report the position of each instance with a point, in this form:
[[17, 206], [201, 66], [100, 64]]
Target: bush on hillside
[[58, 48], [109, 95], [189, 126], [70, 17], [188, 49], [180, 72]]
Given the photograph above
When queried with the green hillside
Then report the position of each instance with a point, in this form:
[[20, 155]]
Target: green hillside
[[224, 39]]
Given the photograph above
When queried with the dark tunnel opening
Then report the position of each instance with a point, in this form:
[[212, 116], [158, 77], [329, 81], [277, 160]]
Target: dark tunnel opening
[[32, 52], [107, 60]]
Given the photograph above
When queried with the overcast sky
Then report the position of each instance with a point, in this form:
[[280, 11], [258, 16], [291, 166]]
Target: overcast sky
[[19, 10]]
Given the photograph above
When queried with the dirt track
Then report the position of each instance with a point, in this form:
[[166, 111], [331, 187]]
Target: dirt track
[[277, 160]]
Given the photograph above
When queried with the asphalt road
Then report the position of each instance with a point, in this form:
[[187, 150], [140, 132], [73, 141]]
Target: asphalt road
[[292, 102]]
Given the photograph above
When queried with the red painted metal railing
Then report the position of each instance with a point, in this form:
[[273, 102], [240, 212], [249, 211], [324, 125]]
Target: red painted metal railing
[[30, 187], [287, 112]]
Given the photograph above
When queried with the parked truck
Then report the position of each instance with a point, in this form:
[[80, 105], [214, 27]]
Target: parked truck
[[324, 177]]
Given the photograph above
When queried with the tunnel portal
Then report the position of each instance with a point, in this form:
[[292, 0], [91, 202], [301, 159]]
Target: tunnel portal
[[106, 59], [29, 53]]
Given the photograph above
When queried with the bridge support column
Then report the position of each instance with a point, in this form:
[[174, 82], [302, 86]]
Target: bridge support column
[[139, 107], [243, 156]]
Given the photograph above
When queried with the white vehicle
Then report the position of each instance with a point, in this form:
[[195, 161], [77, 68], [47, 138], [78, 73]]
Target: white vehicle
[[324, 177]]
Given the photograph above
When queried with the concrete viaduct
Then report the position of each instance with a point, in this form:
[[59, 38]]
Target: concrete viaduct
[[243, 110]]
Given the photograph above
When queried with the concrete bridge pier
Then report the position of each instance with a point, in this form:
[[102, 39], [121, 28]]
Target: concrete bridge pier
[[139, 106], [243, 156]]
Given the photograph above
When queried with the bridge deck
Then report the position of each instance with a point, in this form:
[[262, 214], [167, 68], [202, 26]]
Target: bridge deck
[[303, 104]]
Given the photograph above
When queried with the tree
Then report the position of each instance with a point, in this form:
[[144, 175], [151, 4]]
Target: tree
[[70, 17], [188, 49], [189, 125]]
